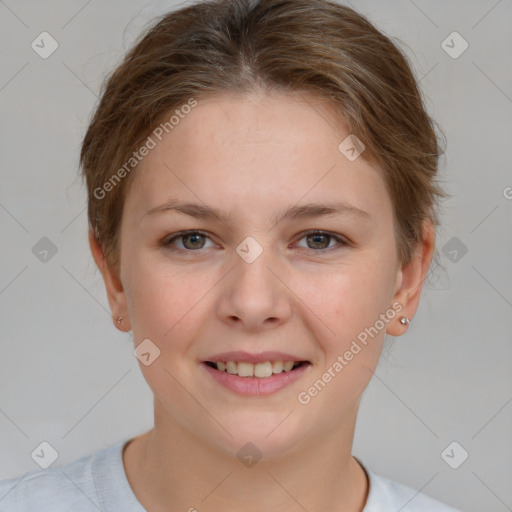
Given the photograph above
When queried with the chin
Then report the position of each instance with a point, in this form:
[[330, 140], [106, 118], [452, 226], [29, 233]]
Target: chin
[[254, 436]]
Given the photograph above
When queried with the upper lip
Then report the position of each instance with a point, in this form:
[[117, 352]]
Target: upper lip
[[241, 356]]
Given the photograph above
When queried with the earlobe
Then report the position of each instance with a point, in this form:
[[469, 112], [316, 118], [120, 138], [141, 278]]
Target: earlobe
[[114, 288], [410, 279]]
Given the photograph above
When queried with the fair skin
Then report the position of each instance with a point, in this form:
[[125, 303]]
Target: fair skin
[[253, 157]]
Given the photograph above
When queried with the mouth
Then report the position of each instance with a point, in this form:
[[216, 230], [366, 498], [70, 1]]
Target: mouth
[[261, 370]]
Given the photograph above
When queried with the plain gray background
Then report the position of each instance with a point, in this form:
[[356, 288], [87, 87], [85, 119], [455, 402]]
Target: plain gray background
[[68, 377]]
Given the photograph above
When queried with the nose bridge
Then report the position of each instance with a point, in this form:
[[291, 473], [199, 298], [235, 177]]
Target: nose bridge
[[254, 264], [255, 292]]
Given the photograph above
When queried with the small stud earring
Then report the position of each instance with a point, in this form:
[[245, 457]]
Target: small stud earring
[[404, 320], [119, 319]]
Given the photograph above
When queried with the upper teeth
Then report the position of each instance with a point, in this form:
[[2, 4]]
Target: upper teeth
[[261, 370]]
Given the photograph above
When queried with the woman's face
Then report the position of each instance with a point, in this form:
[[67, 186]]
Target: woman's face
[[253, 280]]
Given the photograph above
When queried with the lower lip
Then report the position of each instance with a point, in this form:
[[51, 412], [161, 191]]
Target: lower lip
[[254, 386]]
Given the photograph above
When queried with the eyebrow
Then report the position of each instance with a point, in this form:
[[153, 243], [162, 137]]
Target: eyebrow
[[294, 212]]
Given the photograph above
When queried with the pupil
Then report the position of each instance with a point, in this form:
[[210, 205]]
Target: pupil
[[319, 236], [193, 235]]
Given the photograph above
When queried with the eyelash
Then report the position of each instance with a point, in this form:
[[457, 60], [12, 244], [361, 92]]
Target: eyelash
[[343, 242]]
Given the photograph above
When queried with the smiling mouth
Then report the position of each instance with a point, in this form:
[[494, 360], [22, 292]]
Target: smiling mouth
[[259, 370]]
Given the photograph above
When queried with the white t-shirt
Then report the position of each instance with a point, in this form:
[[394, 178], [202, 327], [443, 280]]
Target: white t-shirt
[[97, 483]]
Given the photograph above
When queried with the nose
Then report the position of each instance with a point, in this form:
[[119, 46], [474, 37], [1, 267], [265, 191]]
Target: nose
[[254, 295]]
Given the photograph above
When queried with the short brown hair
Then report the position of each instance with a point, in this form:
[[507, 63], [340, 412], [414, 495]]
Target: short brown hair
[[236, 46]]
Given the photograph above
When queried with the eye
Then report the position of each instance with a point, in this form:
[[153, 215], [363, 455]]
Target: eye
[[192, 240], [320, 240]]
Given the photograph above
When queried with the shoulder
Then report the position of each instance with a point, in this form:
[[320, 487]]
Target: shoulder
[[55, 489], [69, 487], [385, 494]]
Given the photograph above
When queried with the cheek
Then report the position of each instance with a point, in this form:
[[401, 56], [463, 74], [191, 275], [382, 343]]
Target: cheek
[[165, 303], [350, 304], [166, 300], [348, 299]]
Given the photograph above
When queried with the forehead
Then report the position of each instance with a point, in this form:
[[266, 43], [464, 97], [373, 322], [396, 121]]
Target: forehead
[[255, 152]]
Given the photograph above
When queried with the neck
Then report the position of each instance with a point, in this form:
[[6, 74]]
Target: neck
[[170, 465]]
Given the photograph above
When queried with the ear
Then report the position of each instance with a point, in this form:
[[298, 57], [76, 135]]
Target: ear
[[115, 291], [410, 279]]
